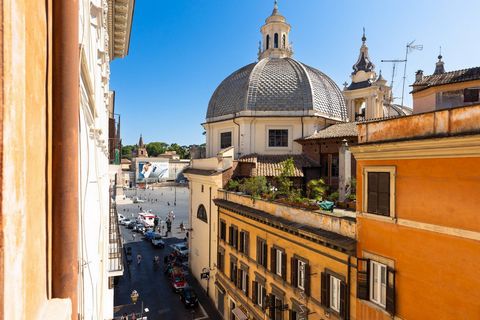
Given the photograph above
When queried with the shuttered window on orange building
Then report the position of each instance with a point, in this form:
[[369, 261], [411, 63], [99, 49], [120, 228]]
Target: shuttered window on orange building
[[378, 191]]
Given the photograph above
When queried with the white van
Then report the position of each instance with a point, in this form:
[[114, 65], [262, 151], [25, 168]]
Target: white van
[[146, 219]]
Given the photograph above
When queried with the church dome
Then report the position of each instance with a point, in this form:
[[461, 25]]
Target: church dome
[[277, 86]]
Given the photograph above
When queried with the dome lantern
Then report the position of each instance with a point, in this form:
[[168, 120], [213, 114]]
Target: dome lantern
[[275, 35]]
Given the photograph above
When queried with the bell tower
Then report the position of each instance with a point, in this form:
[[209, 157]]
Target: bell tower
[[141, 150], [366, 95], [275, 37]]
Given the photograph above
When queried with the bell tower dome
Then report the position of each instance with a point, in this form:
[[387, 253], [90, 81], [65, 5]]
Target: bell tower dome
[[275, 34]]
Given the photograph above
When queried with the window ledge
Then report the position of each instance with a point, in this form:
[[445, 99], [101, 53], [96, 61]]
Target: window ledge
[[377, 217], [278, 278]]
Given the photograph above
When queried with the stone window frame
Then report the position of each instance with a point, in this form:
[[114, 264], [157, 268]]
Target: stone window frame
[[289, 137], [224, 238], [244, 247], [369, 257], [221, 265], [264, 257], [299, 308], [392, 170], [231, 138], [202, 215]]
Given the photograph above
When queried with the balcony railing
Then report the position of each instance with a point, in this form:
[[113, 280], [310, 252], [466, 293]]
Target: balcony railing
[[115, 257]]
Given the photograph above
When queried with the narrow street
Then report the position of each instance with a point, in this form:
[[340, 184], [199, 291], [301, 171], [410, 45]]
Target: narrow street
[[152, 285]]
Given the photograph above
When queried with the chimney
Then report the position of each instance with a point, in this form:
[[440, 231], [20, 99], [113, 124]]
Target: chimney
[[419, 75]]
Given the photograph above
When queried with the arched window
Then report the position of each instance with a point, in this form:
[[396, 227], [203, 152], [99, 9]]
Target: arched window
[[275, 40], [284, 41], [202, 213], [268, 41]]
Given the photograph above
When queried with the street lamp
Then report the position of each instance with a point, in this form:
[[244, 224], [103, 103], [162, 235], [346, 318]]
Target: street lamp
[[175, 200], [134, 296]]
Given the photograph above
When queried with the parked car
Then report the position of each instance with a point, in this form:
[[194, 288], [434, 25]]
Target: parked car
[[157, 241], [138, 200], [125, 221], [131, 224], [148, 229], [178, 283], [189, 297], [139, 227], [148, 235], [121, 217], [181, 248]]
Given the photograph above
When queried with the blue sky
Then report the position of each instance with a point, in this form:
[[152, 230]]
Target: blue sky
[[181, 50]]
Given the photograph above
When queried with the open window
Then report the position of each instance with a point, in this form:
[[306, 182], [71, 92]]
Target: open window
[[376, 283], [334, 293]]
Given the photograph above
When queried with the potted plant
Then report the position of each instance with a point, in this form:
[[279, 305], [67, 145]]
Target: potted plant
[[352, 204]]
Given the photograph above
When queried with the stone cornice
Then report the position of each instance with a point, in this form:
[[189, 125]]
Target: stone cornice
[[120, 16], [449, 147]]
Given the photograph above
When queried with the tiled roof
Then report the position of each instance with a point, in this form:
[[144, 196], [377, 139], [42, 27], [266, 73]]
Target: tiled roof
[[339, 130], [446, 78], [327, 238], [271, 165], [277, 84]]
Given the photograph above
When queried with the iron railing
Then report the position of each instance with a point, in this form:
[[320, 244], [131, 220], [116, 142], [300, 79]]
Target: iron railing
[[115, 246]]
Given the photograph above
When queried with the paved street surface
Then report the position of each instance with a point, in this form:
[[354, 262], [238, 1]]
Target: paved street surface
[[150, 281], [161, 201]]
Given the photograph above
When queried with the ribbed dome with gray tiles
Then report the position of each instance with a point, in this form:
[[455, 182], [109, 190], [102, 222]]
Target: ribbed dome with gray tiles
[[277, 85]]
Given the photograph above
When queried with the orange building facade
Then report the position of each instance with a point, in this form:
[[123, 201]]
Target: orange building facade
[[418, 192]]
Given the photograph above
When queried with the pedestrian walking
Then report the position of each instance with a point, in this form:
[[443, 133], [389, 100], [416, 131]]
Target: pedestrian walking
[[139, 258], [133, 236]]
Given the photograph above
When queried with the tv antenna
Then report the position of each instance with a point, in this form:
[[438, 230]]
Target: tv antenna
[[394, 63], [409, 48]]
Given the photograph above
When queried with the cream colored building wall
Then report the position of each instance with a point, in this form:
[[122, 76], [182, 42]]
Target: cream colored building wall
[[253, 133], [203, 235], [95, 297], [424, 103], [373, 101], [426, 100]]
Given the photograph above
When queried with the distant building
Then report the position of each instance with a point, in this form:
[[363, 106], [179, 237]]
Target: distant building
[[140, 150], [443, 89], [284, 262], [418, 193], [256, 119], [197, 152], [368, 96], [263, 107], [329, 148]]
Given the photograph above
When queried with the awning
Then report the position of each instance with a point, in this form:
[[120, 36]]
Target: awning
[[238, 313]]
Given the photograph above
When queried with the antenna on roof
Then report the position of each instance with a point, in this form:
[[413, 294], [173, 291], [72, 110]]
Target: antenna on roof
[[394, 67], [409, 48]]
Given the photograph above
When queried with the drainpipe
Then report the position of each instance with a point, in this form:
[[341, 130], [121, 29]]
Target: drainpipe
[[302, 126], [347, 315], [209, 236], [65, 151], [238, 138]]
